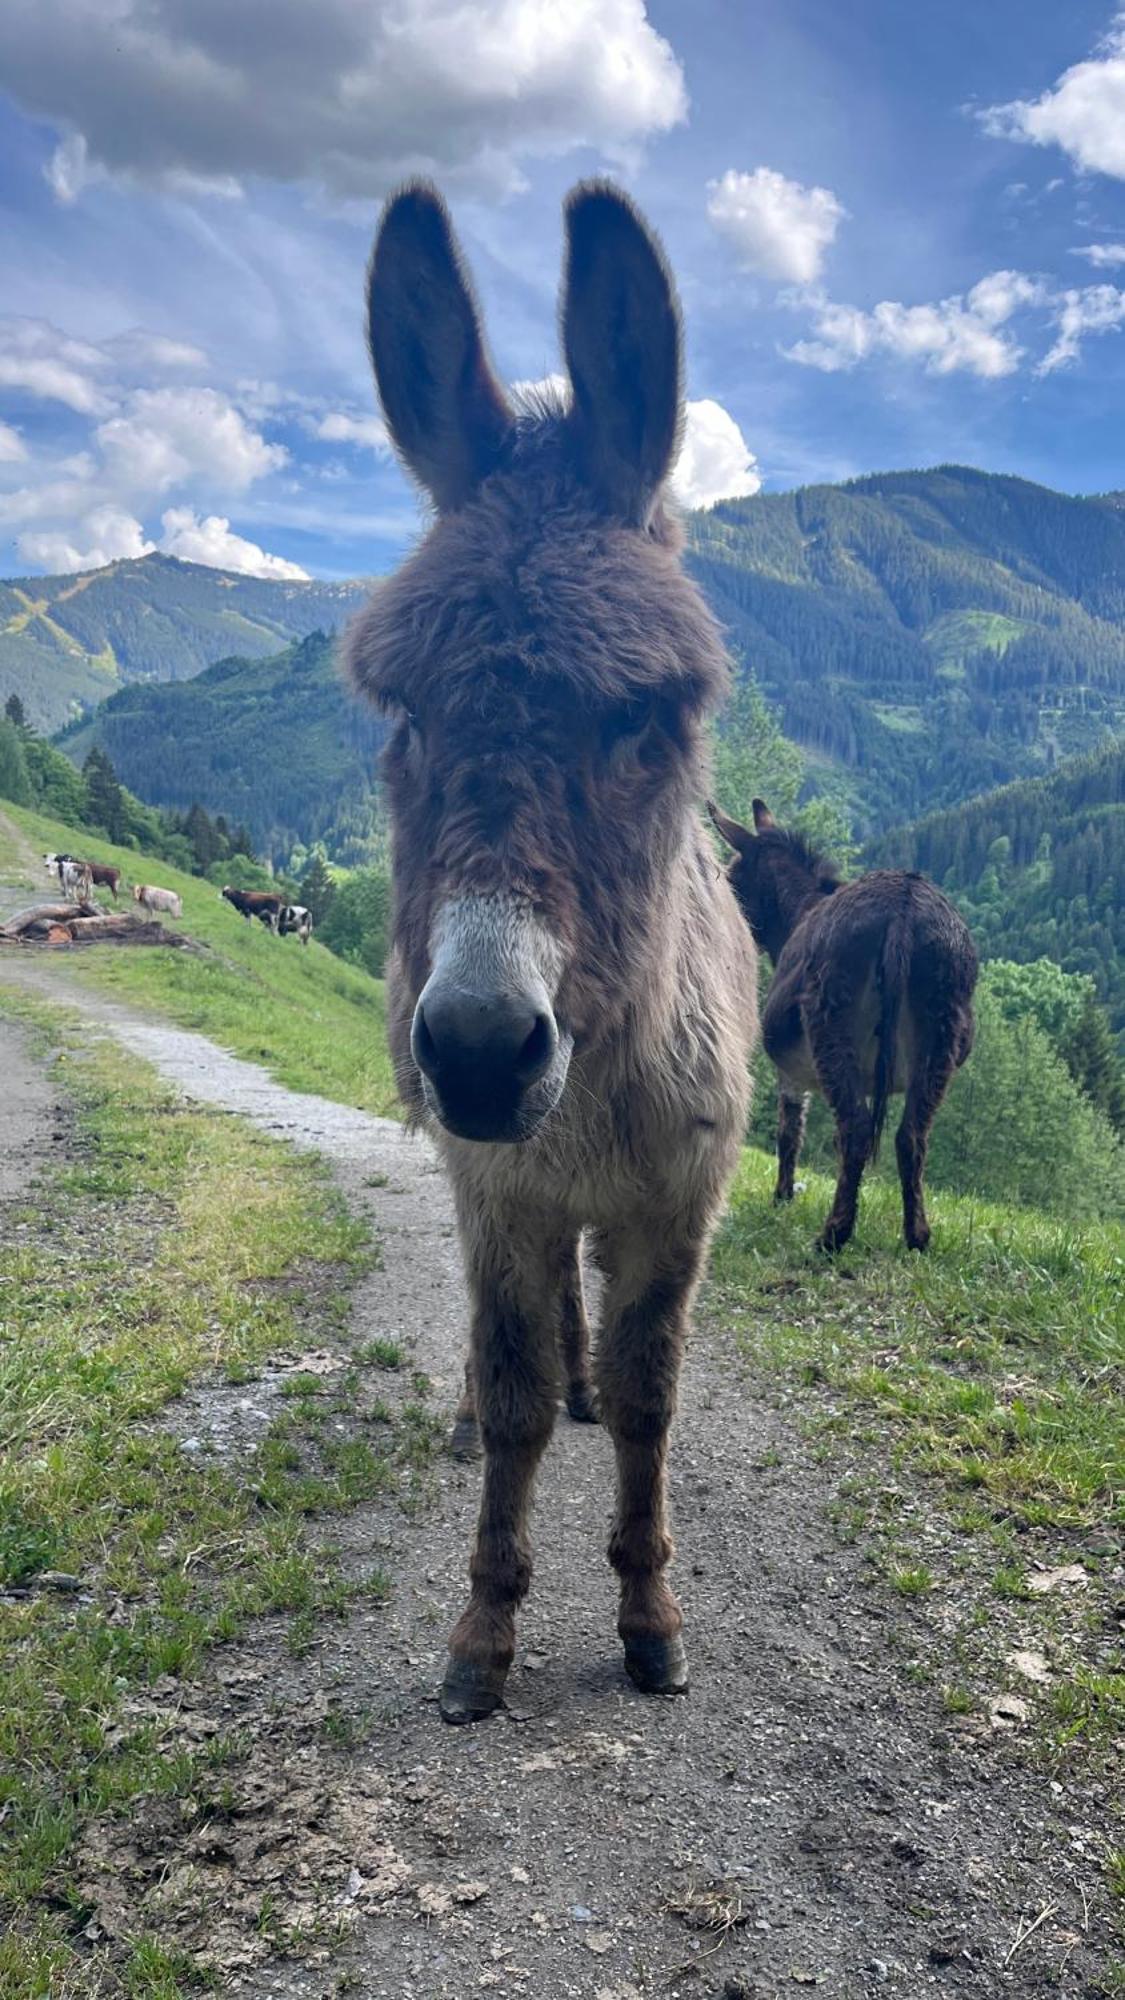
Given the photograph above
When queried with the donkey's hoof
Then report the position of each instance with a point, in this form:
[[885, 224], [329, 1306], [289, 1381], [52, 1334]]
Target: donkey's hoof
[[783, 1194], [918, 1239], [470, 1693], [657, 1666], [580, 1405], [832, 1239], [464, 1439]]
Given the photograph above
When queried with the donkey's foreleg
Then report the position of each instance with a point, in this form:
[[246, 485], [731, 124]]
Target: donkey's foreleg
[[792, 1113], [639, 1351], [515, 1375], [464, 1439], [574, 1338]]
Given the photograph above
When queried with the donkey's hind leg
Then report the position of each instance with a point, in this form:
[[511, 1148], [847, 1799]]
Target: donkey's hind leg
[[792, 1113], [927, 1087], [651, 1277], [574, 1341], [838, 1072]]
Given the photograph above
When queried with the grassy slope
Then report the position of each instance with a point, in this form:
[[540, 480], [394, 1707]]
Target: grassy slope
[[989, 1374], [314, 1022], [164, 1250]]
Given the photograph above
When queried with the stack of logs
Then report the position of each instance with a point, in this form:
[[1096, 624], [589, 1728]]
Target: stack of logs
[[64, 924]]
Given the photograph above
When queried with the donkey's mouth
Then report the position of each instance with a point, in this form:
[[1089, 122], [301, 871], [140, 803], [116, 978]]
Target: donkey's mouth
[[479, 1110]]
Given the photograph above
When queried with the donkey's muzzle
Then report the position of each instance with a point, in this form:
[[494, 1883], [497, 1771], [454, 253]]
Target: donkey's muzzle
[[494, 1063]]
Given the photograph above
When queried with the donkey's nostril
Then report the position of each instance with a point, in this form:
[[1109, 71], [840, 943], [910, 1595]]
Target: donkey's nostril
[[423, 1046], [538, 1050]]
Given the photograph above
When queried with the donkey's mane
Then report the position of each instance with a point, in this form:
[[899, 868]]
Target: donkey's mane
[[786, 840]]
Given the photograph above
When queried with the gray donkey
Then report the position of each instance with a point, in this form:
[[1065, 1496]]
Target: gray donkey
[[571, 987]]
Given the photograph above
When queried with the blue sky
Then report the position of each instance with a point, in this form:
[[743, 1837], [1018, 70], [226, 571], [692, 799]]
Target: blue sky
[[899, 235]]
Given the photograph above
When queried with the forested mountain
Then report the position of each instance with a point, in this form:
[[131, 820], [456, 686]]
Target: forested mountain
[[926, 635], [1038, 868], [67, 642], [276, 744]]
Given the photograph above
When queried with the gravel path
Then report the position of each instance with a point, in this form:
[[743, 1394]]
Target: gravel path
[[868, 1842]]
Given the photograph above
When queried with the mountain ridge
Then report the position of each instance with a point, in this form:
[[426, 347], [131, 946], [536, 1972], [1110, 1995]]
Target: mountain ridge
[[68, 642]]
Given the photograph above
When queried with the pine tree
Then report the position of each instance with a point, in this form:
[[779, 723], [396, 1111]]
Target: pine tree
[[105, 800], [317, 890], [15, 712], [15, 782]]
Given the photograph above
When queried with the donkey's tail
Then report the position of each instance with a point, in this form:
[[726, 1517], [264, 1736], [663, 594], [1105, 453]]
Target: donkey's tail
[[893, 975]]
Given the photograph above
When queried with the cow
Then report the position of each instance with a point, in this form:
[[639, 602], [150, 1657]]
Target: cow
[[295, 921], [102, 876], [152, 898], [76, 879], [265, 904], [105, 877]]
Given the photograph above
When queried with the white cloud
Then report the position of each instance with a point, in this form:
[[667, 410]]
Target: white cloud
[[351, 94], [1103, 256], [12, 446], [110, 533], [211, 541], [776, 226], [959, 334], [1083, 113], [715, 462], [139, 350], [339, 428], [1094, 309], [38, 360], [166, 436]]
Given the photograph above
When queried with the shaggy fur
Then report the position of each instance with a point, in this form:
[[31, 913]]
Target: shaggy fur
[[871, 994], [549, 668]]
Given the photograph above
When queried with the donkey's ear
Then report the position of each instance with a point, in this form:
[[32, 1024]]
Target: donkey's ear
[[621, 338], [446, 412], [763, 818], [735, 835]]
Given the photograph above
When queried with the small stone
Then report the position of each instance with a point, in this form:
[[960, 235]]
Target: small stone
[[58, 1579], [581, 1914]]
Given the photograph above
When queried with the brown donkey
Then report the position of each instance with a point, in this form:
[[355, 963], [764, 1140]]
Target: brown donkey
[[571, 988], [872, 993]]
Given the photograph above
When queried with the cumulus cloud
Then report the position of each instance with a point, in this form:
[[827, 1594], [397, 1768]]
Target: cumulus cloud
[[166, 436], [776, 226], [211, 541], [339, 428], [715, 462], [351, 94], [1094, 309], [143, 442], [1103, 256], [1083, 112], [110, 535], [961, 334]]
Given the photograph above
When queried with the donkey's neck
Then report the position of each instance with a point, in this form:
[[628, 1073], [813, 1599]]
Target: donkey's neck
[[795, 896]]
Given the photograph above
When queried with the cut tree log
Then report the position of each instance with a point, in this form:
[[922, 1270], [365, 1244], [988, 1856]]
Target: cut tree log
[[60, 924], [46, 913]]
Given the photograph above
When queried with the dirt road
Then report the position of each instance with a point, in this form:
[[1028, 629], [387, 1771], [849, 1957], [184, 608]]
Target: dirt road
[[865, 1842]]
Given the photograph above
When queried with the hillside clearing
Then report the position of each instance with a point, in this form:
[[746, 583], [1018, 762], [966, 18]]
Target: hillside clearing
[[313, 1021]]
